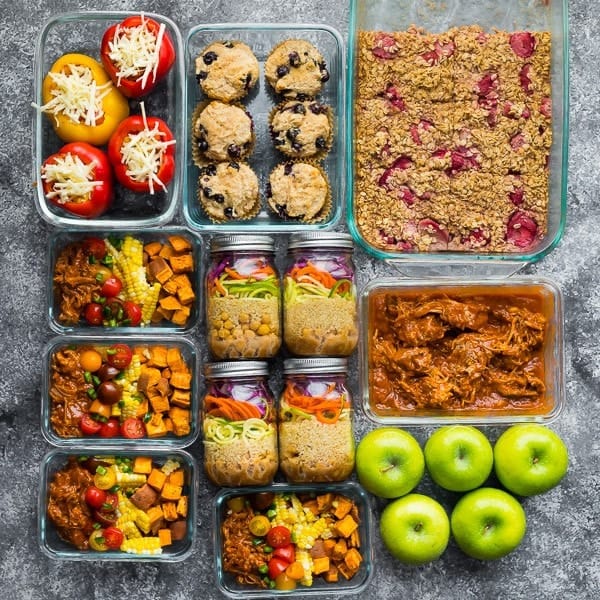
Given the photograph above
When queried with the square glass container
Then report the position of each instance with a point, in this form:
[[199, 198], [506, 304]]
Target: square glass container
[[230, 587], [188, 351], [438, 16], [53, 546], [61, 239], [539, 295], [82, 32], [262, 37]]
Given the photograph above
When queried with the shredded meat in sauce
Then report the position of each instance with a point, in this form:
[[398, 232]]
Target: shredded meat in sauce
[[464, 352]]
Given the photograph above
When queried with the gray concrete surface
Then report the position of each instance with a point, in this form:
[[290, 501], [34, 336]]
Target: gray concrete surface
[[560, 556]]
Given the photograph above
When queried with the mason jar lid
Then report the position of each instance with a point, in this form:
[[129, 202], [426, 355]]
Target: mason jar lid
[[293, 366], [320, 239], [222, 243], [236, 368]]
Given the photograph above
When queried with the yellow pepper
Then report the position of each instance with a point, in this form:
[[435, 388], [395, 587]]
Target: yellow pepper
[[86, 115]]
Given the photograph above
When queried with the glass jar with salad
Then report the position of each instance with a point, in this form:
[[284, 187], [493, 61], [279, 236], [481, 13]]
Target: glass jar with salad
[[239, 424], [243, 298], [316, 441], [319, 302]]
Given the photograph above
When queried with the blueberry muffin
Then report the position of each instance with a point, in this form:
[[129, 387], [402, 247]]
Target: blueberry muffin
[[221, 132], [228, 191], [299, 190], [296, 69], [302, 128], [227, 70]]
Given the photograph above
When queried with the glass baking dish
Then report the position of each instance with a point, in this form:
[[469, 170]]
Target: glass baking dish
[[443, 334], [82, 32], [53, 546], [60, 240], [436, 17], [353, 491], [262, 38], [64, 379]]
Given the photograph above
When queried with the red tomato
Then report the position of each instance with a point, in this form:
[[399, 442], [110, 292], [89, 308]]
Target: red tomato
[[133, 428], [91, 203], [276, 566], [110, 429], [95, 497], [113, 537], [105, 517], [127, 131], [111, 287], [93, 313], [279, 536], [111, 502], [95, 247], [88, 425], [287, 553], [136, 86], [119, 356], [133, 312]]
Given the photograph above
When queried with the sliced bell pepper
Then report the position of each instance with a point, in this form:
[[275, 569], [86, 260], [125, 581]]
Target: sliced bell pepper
[[82, 101], [137, 54], [78, 178]]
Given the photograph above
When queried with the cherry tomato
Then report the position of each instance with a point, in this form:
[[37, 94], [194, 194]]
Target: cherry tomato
[[110, 503], [110, 429], [284, 582], [109, 392], [88, 425], [276, 566], [93, 313], [102, 273], [105, 517], [90, 360], [113, 537], [95, 247], [111, 287], [259, 525], [119, 356], [279, 536], [95, 497], [133, 312], [133, 428], [104, 478], [285, 552], [97, 541]]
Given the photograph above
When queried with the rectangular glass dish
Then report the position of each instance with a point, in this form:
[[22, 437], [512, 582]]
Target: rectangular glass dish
[[81, 32], [354, 492], [76, 288], [70, 388], [55, 547], [259, 103], [475, 351], [448, 248]]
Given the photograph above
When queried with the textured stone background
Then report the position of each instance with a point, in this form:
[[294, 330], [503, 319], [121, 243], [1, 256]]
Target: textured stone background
[[560, 556]]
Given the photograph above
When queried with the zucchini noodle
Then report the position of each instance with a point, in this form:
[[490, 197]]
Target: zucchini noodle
[[222, 431]]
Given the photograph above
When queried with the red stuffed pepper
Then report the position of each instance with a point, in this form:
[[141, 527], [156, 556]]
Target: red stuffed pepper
[[142, 153], [137, 53], [78, 178]]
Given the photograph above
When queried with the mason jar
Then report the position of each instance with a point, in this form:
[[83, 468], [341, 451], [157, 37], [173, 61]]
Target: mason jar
[[319, 299], [316, 441], [239, 424], [243, 298]]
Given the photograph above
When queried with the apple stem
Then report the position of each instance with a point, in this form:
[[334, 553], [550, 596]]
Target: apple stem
[[392, 466]]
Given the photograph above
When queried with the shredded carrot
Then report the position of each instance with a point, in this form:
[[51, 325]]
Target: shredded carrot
[[234, 274], [228, 408], [325, 410], [215, 284], [297, 273]]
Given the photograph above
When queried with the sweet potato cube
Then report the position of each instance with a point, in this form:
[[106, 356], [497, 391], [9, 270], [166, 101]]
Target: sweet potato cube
[[182, 263], [324, 502], [332, 576], [149, 377], [354, 539], [178, 530], [175, 359], [185, 295], [152, 248], [157, 479], [181, 428], [177, 477], [170, 511], [170, 303], [182, 506], [170, 287], [155, 513], [181, 316], [353, 559], [142, 465], [345, 571], [181, 398], [166, 251], [181, 380], [142, 409], [164, 536], [320, 565], [158, 356], [346, 526], [155, 427], [168, 424], [144, 497], [159, 270], [179, 243], [312, 506], [342, 507], [171, 492], [160, 313], [339, 550], [159, 403], [182, 280], [328, 546]]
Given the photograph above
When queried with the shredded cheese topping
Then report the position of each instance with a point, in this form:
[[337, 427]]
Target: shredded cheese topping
[[72, 180], [76, 95], [142, 154], [135, 52]]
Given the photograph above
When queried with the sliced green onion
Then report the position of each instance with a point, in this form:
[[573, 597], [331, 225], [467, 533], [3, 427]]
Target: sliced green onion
[[87, 377], [101, 470]]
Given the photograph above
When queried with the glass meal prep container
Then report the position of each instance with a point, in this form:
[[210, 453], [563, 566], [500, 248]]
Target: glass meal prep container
[[472, 351], [135, 281], [259, 104], [120, 390], [81, 32], [504, 187], [155, 500], [355, 535]]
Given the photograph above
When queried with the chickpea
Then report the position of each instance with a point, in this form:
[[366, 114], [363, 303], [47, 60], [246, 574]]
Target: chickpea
[[223, 333], [237, 332], [244, 318], [254, 324], [249, 334], [224, 316], [263, 330], [266, 319], [228, 324]]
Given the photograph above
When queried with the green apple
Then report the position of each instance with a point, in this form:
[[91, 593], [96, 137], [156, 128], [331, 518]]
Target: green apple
[[415, 529], [459, 458], [488, 523], [530, 459], [389, 462]]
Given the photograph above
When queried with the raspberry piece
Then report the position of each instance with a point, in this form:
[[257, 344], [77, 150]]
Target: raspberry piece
[[385, 47], [462, 159], [515, 111], [439, 53], [521, 229], [440, 237], [525, 79], [487, 84], [400, 164], [440, 153], [522, 43], [477, 238], [392, 95], [546, 107], [391, 240], [407, 195], [517, 141], [516, 196]]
